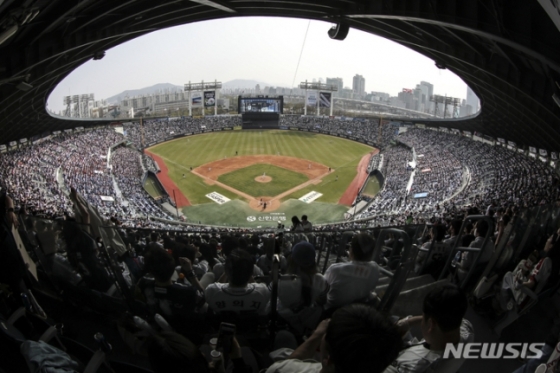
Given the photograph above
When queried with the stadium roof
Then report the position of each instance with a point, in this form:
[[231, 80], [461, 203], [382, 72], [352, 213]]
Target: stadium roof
[[508, 52]]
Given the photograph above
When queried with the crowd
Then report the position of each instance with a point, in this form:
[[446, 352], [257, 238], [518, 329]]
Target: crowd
[[454, 171], [457, 173], [127, 170]]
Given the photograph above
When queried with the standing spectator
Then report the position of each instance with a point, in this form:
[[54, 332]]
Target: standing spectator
[[306, 224]]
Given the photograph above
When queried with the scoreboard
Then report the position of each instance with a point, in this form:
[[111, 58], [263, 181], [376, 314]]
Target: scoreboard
[[260, 104]]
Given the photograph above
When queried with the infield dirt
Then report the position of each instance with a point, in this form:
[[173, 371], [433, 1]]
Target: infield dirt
[[211, 171]]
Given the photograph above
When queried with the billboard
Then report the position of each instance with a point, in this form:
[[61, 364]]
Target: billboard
[[209, 98], [325, 99], [197, 100], [311, 99]]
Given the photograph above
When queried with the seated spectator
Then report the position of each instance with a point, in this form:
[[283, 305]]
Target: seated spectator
[[164, 296], [441, 323], [437, 234], [454, 230], [300, 300], [240, 294], [357, 339], [354, 280], [533, 273], [229, 244], [265, 261], [468, 258]]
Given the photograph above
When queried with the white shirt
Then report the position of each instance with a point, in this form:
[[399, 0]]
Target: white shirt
[[222, 297], [295, 366], [350, 281], [417, 358]]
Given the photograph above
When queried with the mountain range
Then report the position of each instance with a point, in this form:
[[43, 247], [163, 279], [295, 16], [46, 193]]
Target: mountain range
[[161, 87]]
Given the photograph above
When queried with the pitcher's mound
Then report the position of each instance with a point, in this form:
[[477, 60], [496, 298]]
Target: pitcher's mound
[[263, 179]]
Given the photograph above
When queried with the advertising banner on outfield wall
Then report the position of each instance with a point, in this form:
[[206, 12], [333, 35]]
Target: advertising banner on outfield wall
[[209, 98], [324, 99]]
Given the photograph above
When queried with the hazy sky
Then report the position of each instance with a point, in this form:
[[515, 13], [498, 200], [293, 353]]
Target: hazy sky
[[259, 48]]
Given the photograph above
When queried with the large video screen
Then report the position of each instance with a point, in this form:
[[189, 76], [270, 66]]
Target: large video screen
[[261, 104]]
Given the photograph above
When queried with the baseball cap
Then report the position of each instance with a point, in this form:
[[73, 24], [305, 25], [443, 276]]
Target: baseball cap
[[303, 254]]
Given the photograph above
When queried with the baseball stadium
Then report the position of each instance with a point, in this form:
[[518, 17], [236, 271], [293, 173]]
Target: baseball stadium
[[341, 233]]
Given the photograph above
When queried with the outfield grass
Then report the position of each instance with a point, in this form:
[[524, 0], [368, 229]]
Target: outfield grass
[[372, 187], [244, 179]]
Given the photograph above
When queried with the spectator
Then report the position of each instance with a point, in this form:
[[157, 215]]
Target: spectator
[[441, 323], [306, 224], [240, 293], [357, 339], [468, 258], [161, 294], [301, 300], [354, 280]]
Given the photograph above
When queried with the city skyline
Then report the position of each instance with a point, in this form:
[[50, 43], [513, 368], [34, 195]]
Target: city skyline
[[256, 48]]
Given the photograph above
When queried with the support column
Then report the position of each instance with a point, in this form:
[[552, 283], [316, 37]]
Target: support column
[[305, 100], [202, 101], [317, 107], [190, 100], [215, 98], [332, 103]]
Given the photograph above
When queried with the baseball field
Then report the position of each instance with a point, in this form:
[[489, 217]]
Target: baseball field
[[253, 178]]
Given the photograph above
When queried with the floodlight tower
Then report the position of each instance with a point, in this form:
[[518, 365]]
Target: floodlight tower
[[67, 101], [445, 100], [76, 106]]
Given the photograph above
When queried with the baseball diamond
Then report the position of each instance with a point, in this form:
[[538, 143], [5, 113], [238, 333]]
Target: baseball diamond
[[236, 165]]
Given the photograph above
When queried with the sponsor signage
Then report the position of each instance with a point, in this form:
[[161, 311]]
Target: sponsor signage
[[13, 143], [107, 198], [197, 100], [56, 133], [310, 197], [324, 99], [69, 130], [311, 99], [218, 198], [532, 149], [511, 143], [264, 218], [543, 152], [503, 141], [209, 98], [553, 155]]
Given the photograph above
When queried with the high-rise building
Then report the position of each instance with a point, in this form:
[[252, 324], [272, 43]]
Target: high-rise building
[[424, 103], [338, 83], [359, 86], [473, 103]]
